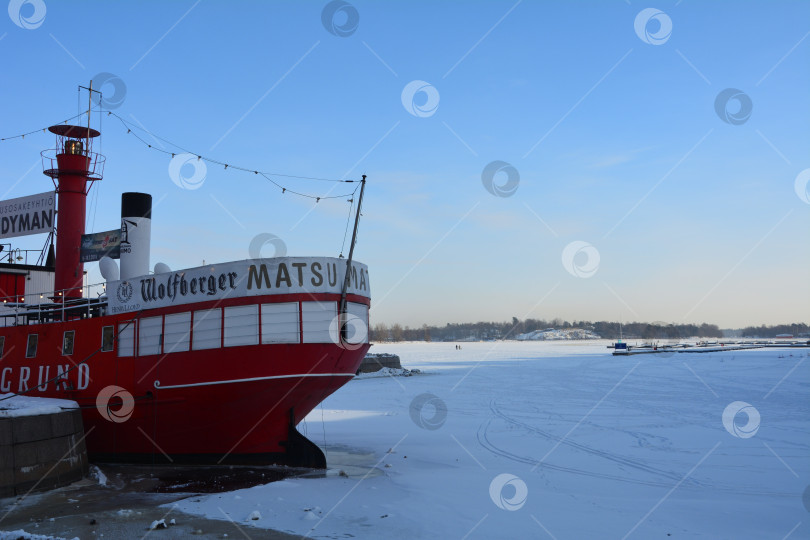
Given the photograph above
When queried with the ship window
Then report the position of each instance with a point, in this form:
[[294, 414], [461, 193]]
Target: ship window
[[176, 332], [107, 340], [31, 349], [320, 322], [126, 339], [2, 345], [67, 342], [242, 325], [149, 331], [280, 323], [356, 325], [207, 329]]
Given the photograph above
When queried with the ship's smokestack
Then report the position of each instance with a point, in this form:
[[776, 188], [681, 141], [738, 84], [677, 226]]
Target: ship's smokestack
[[136, 234]]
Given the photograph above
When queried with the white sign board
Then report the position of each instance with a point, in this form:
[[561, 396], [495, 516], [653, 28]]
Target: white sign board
[[254, 277], [27, 215]]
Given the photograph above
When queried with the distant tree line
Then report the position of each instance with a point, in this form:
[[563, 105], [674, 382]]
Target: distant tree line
[[381, 332], [797, 329]]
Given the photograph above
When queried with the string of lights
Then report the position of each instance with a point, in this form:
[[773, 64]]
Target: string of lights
[[131, 130], [43, 130]]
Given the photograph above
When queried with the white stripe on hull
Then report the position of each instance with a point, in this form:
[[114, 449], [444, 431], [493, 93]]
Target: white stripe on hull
[[157, 383]]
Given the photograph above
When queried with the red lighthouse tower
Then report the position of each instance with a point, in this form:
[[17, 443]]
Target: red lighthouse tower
[[73, 167]]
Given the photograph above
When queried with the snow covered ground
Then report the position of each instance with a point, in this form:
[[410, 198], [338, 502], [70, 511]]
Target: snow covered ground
[[14, 406], [555, 440]]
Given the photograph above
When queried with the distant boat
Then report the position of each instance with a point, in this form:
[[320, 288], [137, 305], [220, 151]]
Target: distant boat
[[620, 347]]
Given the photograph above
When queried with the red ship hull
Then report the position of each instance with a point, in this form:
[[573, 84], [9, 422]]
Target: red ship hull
[[214, 364], [227, 404]]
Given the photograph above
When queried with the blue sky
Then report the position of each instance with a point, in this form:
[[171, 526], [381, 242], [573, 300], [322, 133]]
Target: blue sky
[[679, 215]]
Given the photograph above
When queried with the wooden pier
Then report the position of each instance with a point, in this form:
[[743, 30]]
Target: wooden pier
[[706, 347]]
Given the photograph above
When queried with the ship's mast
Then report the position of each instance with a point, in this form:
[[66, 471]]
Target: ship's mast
[[347, 279], [89, 110]]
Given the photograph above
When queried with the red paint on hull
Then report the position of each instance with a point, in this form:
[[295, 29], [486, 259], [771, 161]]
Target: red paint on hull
[[229, 404]]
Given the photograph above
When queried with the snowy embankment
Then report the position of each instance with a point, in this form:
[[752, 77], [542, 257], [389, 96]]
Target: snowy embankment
[[20, 534], [554, 440], [550, 334], [31, 406]]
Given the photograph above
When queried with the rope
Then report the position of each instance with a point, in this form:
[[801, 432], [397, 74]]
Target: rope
[[130, 130], [22, 135], [346, 231], [266, 174]]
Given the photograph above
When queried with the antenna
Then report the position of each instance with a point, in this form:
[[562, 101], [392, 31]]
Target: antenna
[[90, 107]]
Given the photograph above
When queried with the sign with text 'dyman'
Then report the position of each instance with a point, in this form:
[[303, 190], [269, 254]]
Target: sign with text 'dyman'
[[27, 215]]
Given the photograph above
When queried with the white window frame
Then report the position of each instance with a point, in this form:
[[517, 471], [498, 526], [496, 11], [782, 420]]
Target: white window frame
[[199, 325], [171, 345], [289, 333], [319, 322], [236, 335], [127, 336], [148, 325]]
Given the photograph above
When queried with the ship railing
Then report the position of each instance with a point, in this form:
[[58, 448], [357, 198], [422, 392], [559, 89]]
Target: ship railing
[[17, 255], [53, 306], [94, 170]]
